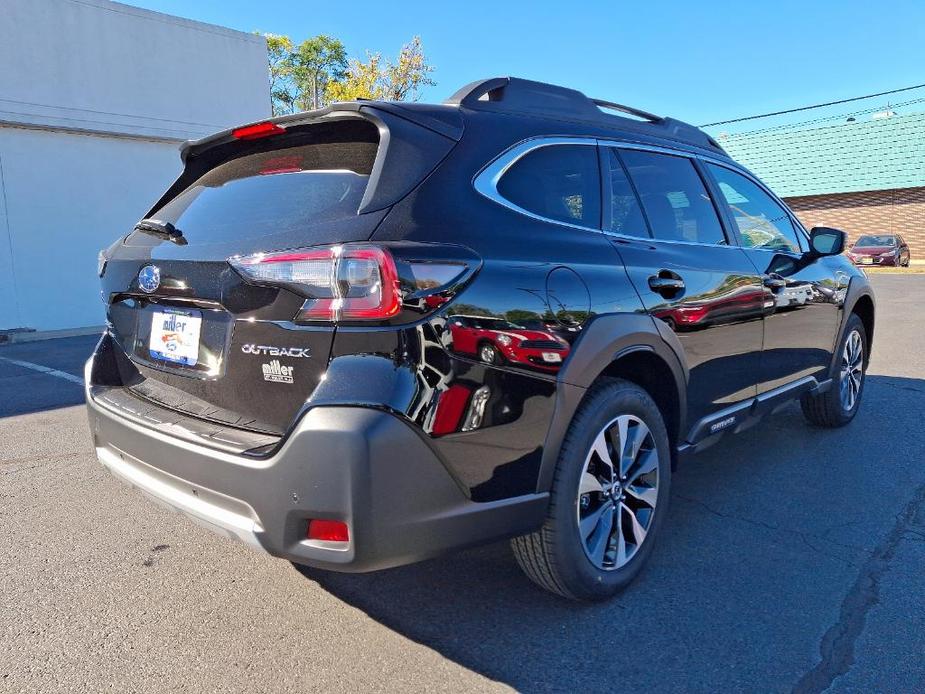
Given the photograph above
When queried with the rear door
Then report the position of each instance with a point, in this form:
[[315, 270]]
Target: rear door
[[689, 275], [803, 293]]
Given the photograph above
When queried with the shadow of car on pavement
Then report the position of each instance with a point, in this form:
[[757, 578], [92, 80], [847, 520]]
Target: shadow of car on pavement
[[764, 539]]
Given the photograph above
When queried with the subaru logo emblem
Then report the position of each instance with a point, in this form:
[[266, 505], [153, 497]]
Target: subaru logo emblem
[[149, 278]]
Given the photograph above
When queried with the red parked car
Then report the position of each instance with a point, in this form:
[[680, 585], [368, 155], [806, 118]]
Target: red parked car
[[880, 249], [497, 341]]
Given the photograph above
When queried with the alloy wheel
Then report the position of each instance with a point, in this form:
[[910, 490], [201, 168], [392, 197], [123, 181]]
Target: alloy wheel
[[617, 492], [852, 370]]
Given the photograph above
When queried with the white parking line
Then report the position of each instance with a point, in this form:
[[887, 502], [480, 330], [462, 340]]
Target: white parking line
[[45, 370]]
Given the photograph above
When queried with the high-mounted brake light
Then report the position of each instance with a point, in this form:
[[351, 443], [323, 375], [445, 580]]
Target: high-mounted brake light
[[349, 282], [256, 131]]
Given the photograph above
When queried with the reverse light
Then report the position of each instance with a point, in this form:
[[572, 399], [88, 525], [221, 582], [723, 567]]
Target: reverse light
[[256, 131], [327, 531], [349, 282]]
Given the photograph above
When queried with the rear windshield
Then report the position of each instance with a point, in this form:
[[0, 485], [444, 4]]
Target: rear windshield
[[876, 241], [273, 191]]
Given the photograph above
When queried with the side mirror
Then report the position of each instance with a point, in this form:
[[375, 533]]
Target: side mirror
[[827, 241]]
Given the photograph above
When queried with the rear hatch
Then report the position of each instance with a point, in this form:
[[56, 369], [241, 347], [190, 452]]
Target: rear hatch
[[192, 335]]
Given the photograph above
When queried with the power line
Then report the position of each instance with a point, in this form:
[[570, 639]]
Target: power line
[[808, 108], [825, 119]]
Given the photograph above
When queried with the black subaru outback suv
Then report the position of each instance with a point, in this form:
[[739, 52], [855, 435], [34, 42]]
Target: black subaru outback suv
[[282, 362]]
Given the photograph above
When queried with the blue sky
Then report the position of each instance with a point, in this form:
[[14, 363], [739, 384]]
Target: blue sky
[[699, 61]]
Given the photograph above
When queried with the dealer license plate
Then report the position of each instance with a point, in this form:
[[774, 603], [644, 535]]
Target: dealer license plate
[[175, 335]]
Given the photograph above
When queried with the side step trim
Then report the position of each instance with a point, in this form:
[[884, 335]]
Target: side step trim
[[744, 415]]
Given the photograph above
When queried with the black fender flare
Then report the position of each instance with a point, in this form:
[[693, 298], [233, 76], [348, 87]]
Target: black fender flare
[[602, 342], [858, 288]]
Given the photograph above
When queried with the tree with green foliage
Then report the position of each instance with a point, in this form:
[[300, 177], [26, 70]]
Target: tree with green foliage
[[300, 75], [317, 63], [279, 50]]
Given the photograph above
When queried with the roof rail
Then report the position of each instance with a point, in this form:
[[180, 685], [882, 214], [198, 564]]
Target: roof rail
[[527, 96], [639, 113]]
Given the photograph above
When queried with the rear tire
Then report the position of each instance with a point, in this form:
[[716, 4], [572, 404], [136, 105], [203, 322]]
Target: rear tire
[[839, 404], [608, 500]]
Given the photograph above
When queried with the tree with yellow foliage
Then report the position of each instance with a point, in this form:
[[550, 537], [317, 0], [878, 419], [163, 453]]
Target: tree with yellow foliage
[[317, 72], [400, 80]]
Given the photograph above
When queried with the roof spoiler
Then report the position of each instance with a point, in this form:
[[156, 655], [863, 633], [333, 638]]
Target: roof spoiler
[[441, 127], [526, 96]]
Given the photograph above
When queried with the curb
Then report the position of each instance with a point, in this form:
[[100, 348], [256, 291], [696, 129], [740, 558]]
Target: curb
[[17, 336]]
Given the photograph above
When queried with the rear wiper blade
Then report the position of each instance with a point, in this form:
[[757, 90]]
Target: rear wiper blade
[[165, 230]]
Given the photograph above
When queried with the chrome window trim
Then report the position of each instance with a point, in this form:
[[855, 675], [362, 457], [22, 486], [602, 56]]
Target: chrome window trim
[[486, 181]]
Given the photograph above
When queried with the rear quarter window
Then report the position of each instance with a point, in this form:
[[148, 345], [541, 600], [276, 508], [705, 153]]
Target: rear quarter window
[[557, 182]]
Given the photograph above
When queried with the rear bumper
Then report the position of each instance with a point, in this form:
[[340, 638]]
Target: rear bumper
[[362, 466]]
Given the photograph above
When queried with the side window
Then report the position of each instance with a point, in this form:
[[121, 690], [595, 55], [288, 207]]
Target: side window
[[625, 214], [674, 197], [558, 182], [762, 223]]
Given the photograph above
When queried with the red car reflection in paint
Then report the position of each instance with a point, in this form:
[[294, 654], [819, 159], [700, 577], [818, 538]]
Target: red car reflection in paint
[[497, 341]]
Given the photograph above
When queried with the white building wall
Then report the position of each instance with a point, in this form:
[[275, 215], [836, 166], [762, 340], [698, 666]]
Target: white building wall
[[68, 196], [95, 99]]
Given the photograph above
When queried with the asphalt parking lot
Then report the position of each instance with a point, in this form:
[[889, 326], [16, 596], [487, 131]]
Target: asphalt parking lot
[[792, 560]]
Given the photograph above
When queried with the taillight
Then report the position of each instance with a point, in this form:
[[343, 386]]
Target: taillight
[[349, 282], [256, 131]]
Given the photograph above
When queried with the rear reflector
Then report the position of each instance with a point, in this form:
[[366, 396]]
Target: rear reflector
[[256, 131], [327, 530], [349, 282]]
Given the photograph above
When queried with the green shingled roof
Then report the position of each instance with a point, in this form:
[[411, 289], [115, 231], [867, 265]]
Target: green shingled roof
[[843, 158]]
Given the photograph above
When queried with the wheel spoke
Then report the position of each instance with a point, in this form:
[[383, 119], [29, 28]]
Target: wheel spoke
[[600, 447], [589, 484], [631, 445], [621, 541], [600, 537], [647, 495], [618, 432], [648, 461], [639, 533], [589, 523]]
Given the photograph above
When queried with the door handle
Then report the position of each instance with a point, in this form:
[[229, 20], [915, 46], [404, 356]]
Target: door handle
[[666, 283], [773, 282]]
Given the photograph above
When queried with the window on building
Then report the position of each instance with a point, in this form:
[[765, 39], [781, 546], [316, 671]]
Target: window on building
[[558, 182], [761, 221], [674, 197], [625, 214]]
